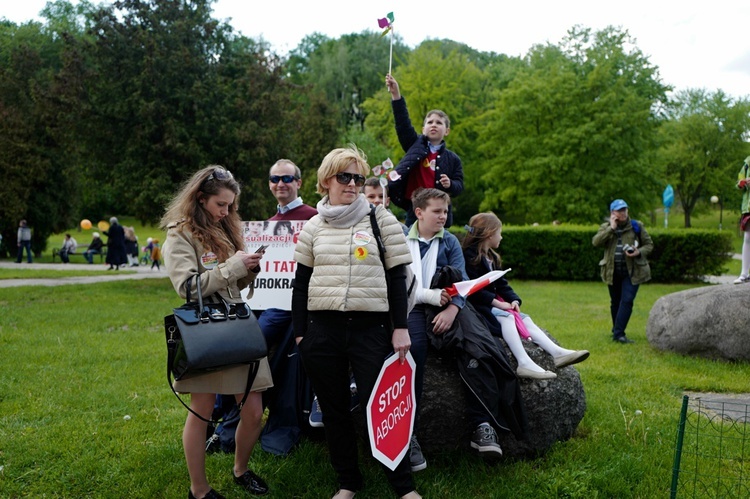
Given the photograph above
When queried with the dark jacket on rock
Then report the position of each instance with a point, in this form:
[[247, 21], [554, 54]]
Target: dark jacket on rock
[[481, 361]]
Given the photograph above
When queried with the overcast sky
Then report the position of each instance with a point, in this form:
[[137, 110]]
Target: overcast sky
[[695, 44]]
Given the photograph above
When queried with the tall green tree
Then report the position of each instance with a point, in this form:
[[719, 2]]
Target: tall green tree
[[703, 143], [573, 130], [144, 119], [38, 184], [165, 89]]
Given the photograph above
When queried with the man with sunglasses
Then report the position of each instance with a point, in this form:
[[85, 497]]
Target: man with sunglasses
[[284, 180], [285, 419]]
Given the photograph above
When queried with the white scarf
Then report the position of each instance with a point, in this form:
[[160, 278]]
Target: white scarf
[[424, 268], [344, 216]]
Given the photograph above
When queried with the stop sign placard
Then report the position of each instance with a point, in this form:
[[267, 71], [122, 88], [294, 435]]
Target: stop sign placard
[[391, 410]]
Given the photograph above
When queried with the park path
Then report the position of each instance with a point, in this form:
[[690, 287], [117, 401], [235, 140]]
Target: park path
[[140, 272]]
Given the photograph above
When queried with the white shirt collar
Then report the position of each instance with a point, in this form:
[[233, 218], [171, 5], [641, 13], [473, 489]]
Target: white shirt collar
[[294, 204]]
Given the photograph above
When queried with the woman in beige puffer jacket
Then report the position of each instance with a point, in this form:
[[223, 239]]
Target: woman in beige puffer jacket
[[343, 311]]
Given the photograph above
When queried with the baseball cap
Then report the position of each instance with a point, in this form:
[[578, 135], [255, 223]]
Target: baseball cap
[[617, 204]]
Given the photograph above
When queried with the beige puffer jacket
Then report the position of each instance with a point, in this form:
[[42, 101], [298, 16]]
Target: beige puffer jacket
[[347, 272], [182, 257]]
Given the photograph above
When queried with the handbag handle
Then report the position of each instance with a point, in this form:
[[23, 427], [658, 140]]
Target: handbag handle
[[204, 314]]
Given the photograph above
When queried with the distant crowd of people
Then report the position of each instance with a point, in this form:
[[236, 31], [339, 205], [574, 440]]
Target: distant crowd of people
[[122, 247]]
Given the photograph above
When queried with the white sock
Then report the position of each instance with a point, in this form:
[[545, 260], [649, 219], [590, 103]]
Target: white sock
[[513, 339], [540, 338]]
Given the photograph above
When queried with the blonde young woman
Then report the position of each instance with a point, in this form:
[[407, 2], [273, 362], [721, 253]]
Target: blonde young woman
[[341, 308], [498, 301], [204, 241]]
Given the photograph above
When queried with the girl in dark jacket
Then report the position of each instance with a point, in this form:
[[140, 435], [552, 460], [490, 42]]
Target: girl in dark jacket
[[501, 306]]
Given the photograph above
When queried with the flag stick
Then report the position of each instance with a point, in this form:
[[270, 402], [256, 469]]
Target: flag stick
[[390, 58]]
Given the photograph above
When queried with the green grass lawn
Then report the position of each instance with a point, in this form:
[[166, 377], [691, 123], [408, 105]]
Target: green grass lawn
[[74, 364]]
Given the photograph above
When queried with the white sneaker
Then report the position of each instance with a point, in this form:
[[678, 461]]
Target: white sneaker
[[741, 279]]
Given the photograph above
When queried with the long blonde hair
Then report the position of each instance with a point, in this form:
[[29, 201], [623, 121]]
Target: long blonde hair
[[187, 212], [481, 228]]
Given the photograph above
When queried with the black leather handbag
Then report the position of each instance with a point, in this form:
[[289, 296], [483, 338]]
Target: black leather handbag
[[203, 337]]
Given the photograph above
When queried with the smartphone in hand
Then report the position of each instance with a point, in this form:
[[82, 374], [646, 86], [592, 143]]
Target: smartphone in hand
[[262, 249]]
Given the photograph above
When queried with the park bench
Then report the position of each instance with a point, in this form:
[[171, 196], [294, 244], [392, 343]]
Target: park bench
[[80, 249]]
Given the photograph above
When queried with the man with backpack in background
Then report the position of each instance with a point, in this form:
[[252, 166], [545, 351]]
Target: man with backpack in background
[[624, 265]]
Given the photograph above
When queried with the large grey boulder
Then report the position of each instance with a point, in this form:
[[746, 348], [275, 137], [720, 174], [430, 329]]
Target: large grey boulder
[[711, 322], [554, 408]]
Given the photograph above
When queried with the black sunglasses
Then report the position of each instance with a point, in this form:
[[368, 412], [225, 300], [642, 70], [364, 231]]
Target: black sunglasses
[[287, 179], [219, 174], [344, 178]]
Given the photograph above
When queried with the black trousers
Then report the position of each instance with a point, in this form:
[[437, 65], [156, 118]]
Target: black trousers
[[333, 342]]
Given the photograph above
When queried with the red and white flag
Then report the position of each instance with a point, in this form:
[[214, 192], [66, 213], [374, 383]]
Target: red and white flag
[[465, 288]]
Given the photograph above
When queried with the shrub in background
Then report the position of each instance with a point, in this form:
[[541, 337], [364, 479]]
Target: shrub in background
[[566, 253]]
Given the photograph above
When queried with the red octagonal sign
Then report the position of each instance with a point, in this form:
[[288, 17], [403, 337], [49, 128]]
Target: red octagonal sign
[[391, 410]]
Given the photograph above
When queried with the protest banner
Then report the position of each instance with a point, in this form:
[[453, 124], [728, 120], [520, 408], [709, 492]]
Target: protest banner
[[273, 286]]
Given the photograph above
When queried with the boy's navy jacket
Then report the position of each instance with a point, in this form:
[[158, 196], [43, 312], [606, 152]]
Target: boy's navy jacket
[[417, 148]]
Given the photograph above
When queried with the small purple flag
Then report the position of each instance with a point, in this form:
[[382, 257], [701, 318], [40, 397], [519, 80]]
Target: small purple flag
[[386, 21]]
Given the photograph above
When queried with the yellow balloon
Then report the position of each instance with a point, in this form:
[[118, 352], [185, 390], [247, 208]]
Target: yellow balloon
[[85, 224], [103, 225]]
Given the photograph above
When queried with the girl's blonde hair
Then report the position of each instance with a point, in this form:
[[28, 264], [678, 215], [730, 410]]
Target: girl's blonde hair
[[339, 160], [481, 228], [187, 212]]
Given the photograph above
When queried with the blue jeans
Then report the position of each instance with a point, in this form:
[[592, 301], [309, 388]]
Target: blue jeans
[[622, 295], [274, 323], [27, 245], [89, 255]]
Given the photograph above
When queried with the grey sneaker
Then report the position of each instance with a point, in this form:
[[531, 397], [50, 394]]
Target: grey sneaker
[[417, 460], [484, 440]]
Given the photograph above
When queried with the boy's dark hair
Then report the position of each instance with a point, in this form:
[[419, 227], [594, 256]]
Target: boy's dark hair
[[422, 196], [441, 114], [371, 182]]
